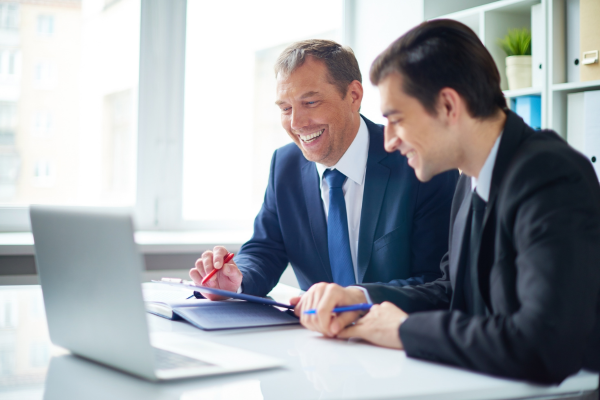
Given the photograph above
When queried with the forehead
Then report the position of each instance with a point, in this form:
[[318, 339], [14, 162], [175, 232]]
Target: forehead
[[312, 76], [392, 94]]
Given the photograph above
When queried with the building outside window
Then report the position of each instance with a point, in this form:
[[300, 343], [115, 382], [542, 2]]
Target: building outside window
[[9, 16], [42, 124], [77, 95], [45, 25]]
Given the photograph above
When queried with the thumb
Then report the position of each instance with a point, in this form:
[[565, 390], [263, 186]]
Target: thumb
[[342, 320]]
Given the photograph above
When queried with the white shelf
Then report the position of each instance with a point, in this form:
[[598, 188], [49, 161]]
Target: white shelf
[[503, 5], [522, 92], [575, 86]]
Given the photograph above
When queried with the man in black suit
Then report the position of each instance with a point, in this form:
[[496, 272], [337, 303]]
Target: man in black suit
[[520, 292]]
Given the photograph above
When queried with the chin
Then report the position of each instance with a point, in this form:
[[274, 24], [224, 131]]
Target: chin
[[423, 176]]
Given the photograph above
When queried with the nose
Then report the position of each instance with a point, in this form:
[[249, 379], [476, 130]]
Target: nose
[[299, 119], [391, 141]]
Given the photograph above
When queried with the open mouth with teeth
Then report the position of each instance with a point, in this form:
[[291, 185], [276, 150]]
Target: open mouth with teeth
[[312, 137]]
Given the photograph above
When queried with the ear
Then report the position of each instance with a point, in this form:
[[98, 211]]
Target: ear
[[450, 105], [355, 94]]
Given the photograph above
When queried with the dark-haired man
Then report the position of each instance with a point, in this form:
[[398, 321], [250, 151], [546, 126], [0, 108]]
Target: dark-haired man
[[520, 292], [337, 207]]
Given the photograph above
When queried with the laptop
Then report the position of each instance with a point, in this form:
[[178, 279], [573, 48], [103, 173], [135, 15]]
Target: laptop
[[91, 272]]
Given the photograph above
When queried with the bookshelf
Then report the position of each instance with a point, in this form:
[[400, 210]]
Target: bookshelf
[[492, 20]]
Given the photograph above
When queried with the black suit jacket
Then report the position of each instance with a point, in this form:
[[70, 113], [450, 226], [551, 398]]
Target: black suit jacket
[[403, 224], [539, 269]]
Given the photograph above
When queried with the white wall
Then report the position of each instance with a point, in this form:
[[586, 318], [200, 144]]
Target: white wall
[[375, 24]]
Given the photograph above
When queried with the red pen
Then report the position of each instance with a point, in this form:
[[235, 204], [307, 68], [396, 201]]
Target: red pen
[[228, 257]]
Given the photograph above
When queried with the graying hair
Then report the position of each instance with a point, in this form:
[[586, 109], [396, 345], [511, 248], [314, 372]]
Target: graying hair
[[340, 61]]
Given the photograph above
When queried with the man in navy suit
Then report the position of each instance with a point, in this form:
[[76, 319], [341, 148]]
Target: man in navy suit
[[338, 207]]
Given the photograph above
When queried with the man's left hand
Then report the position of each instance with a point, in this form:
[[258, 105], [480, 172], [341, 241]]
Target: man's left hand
[[380, 326]]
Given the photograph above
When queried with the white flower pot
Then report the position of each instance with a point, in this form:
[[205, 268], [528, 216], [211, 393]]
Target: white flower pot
[[518, 72]]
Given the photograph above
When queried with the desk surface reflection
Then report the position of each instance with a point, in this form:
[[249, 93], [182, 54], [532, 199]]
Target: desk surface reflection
[[31, 368]]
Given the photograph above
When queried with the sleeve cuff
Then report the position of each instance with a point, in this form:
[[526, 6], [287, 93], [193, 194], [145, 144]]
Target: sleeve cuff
[[366, 293], [240, 289]]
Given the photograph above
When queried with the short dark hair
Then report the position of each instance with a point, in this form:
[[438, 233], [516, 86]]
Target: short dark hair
[[340, 61], [443, 53]]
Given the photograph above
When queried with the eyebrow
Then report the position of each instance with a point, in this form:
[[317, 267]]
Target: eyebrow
[[304, 96], [390, 112], [309, 94]]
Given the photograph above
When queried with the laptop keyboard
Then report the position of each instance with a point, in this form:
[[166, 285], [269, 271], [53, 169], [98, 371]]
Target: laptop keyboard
[[167, 360]]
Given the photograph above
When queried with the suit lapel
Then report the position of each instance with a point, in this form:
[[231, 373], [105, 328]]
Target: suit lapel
[[514, 133], [316, 216], [376, 181]]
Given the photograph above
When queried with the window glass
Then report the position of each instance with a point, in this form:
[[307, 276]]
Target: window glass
[[232, 125], [45, 25], [68, 106]]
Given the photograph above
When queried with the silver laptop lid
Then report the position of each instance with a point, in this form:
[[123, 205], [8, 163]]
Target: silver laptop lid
[[90, 271]]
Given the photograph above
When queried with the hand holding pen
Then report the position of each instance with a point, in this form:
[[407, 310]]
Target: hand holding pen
[[217, 269]]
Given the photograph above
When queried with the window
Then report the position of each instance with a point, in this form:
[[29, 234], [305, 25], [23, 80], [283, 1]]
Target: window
[[44, 173], [232, 125], [45, 75], [77, 140], [9, 16], [45, 25], [74, 143], [42, 124], [8, 123], [12, 62]]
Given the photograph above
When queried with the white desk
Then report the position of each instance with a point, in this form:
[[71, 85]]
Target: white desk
[[316, 368]]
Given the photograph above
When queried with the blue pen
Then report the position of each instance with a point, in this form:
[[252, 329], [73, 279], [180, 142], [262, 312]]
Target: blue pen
[[355, 307]]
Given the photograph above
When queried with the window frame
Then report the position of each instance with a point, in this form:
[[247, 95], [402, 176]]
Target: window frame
[[159, 183]]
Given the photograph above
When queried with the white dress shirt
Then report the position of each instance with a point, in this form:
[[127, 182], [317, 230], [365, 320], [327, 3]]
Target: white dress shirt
[[483, 184], [353, 164]]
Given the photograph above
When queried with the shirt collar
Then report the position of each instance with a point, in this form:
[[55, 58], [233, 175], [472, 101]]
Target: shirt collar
[[483, 184], [353, 163]]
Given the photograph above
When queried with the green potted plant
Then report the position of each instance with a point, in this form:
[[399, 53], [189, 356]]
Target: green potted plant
[[517, 46]]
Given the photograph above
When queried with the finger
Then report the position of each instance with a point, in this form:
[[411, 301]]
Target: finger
[[306, 303], [295, 301], [231, 270], [311, 303], [200, 267], [316, 318], [342, 320], [196, 277], [332, 297], [207, 262], [229, 278], [357, 330], [219, 253]]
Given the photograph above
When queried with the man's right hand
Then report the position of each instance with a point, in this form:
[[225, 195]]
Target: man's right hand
[[229, 278], [324, 297]]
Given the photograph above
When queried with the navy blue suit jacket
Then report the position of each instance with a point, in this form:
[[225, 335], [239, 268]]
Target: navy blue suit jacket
[[403, 226]]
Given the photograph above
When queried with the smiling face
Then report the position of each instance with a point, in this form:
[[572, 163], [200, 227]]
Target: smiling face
[[314, 114], [424, 139]]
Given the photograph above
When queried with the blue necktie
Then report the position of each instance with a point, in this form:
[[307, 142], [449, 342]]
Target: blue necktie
[[338, 239]]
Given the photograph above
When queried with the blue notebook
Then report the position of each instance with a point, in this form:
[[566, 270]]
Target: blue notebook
[[244, 311]]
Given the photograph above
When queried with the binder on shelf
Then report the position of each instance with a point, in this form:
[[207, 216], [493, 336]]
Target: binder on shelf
[[583, 125], [572, 40], [589, 28], [538, 46], [530, 109]]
